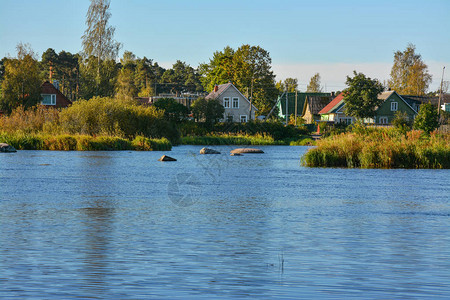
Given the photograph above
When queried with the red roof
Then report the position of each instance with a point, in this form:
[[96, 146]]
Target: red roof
[[332, 104]]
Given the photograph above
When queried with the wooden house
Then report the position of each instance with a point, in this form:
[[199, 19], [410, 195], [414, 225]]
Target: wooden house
[[237, 106], [51, 96]]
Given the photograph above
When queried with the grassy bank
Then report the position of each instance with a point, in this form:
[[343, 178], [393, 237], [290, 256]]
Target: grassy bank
[[380, 148], [66, 142], [242, 139]]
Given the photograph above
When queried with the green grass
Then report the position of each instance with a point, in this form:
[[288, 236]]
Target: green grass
[[381, 149], [66, 142], [230, 139]]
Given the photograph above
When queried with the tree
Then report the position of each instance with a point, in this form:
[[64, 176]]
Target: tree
[[98, 40], [314, 84], [291, 83], [252, 71], [209, 111], [219, 70], [125, 85], [21, 83], [426, 119], [409, 74], [361, 97], [249, 69], [182, 78], [173, 111]]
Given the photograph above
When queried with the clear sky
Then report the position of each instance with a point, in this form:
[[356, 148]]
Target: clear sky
[[303, 37]]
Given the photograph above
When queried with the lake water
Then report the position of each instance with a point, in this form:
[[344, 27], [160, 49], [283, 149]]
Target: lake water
[[121, 225]]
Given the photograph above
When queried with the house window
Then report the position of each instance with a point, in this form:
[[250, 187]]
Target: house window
[[394, 106], [235, 102], [243, 118], [226, 102], [383, 120], [48, 99], [229, 118]]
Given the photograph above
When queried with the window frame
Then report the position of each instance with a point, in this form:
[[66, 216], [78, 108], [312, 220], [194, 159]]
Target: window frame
[[246, 118], [226, 102], [394, 106], [233, 102], [383, 120], [52, 99]]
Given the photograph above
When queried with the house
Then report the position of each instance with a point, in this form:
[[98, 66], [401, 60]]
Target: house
[[51, 96], [237, 106], [291, 99], [385, 113], [312, 106], [334, 111], [393, 103]]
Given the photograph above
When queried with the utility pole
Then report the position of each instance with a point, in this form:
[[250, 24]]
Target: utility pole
[[287, 103], [296, 91], [440, 94]]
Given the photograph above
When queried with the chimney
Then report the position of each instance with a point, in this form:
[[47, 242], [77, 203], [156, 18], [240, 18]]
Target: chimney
[[216, 88]]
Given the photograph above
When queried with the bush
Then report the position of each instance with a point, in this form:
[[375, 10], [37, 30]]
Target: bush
[[114, 117]]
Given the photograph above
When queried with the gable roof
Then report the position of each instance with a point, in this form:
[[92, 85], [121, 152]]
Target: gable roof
[[386, 95], [222, 88], [61, 100], [316, 103], [333, 104]]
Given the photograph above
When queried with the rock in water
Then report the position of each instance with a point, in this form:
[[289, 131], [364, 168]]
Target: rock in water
[[236, 154], [7, 148], [247, 150], [208, 151], [167, 158]]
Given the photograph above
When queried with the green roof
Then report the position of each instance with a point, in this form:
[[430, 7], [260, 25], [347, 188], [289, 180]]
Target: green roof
[[291, 102]]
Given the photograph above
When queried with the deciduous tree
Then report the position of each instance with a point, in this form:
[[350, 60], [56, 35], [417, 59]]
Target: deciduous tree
[[361, 96], [314, 84], [209, 111], [249, 69], [409, 74], [98, 41], [21, 83]]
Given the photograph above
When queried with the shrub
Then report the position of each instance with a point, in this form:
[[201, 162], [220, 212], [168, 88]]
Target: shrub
[[115, 117]]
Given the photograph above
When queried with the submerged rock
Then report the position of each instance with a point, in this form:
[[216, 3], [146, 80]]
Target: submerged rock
[[208, 151], [166, 158], [7, 148], [236, 154], [246, 150]]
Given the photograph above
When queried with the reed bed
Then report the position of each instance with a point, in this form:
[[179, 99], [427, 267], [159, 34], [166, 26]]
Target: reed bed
[[231, 139], [66, 142], [381, 149]]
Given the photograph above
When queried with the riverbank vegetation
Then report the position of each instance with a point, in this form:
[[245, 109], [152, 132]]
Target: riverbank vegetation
[[381, 148], [97, 124]]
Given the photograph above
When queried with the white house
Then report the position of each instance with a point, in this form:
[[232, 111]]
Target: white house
[[237, 106]]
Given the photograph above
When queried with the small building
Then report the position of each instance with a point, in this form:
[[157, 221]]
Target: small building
[[334, 112], [51, 96], [237, 106], [312, 106]]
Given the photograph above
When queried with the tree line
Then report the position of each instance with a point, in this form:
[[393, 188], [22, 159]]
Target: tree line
[[97, 71]]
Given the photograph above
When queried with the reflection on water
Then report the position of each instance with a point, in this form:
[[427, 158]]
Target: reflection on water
[[105, 225]]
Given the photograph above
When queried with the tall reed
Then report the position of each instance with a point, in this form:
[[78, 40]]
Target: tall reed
[[381, 149]]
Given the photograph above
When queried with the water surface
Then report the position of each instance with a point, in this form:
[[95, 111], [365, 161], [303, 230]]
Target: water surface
[[121, 225]]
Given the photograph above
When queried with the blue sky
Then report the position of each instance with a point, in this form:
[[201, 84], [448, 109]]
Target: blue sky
[[303, 37]]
